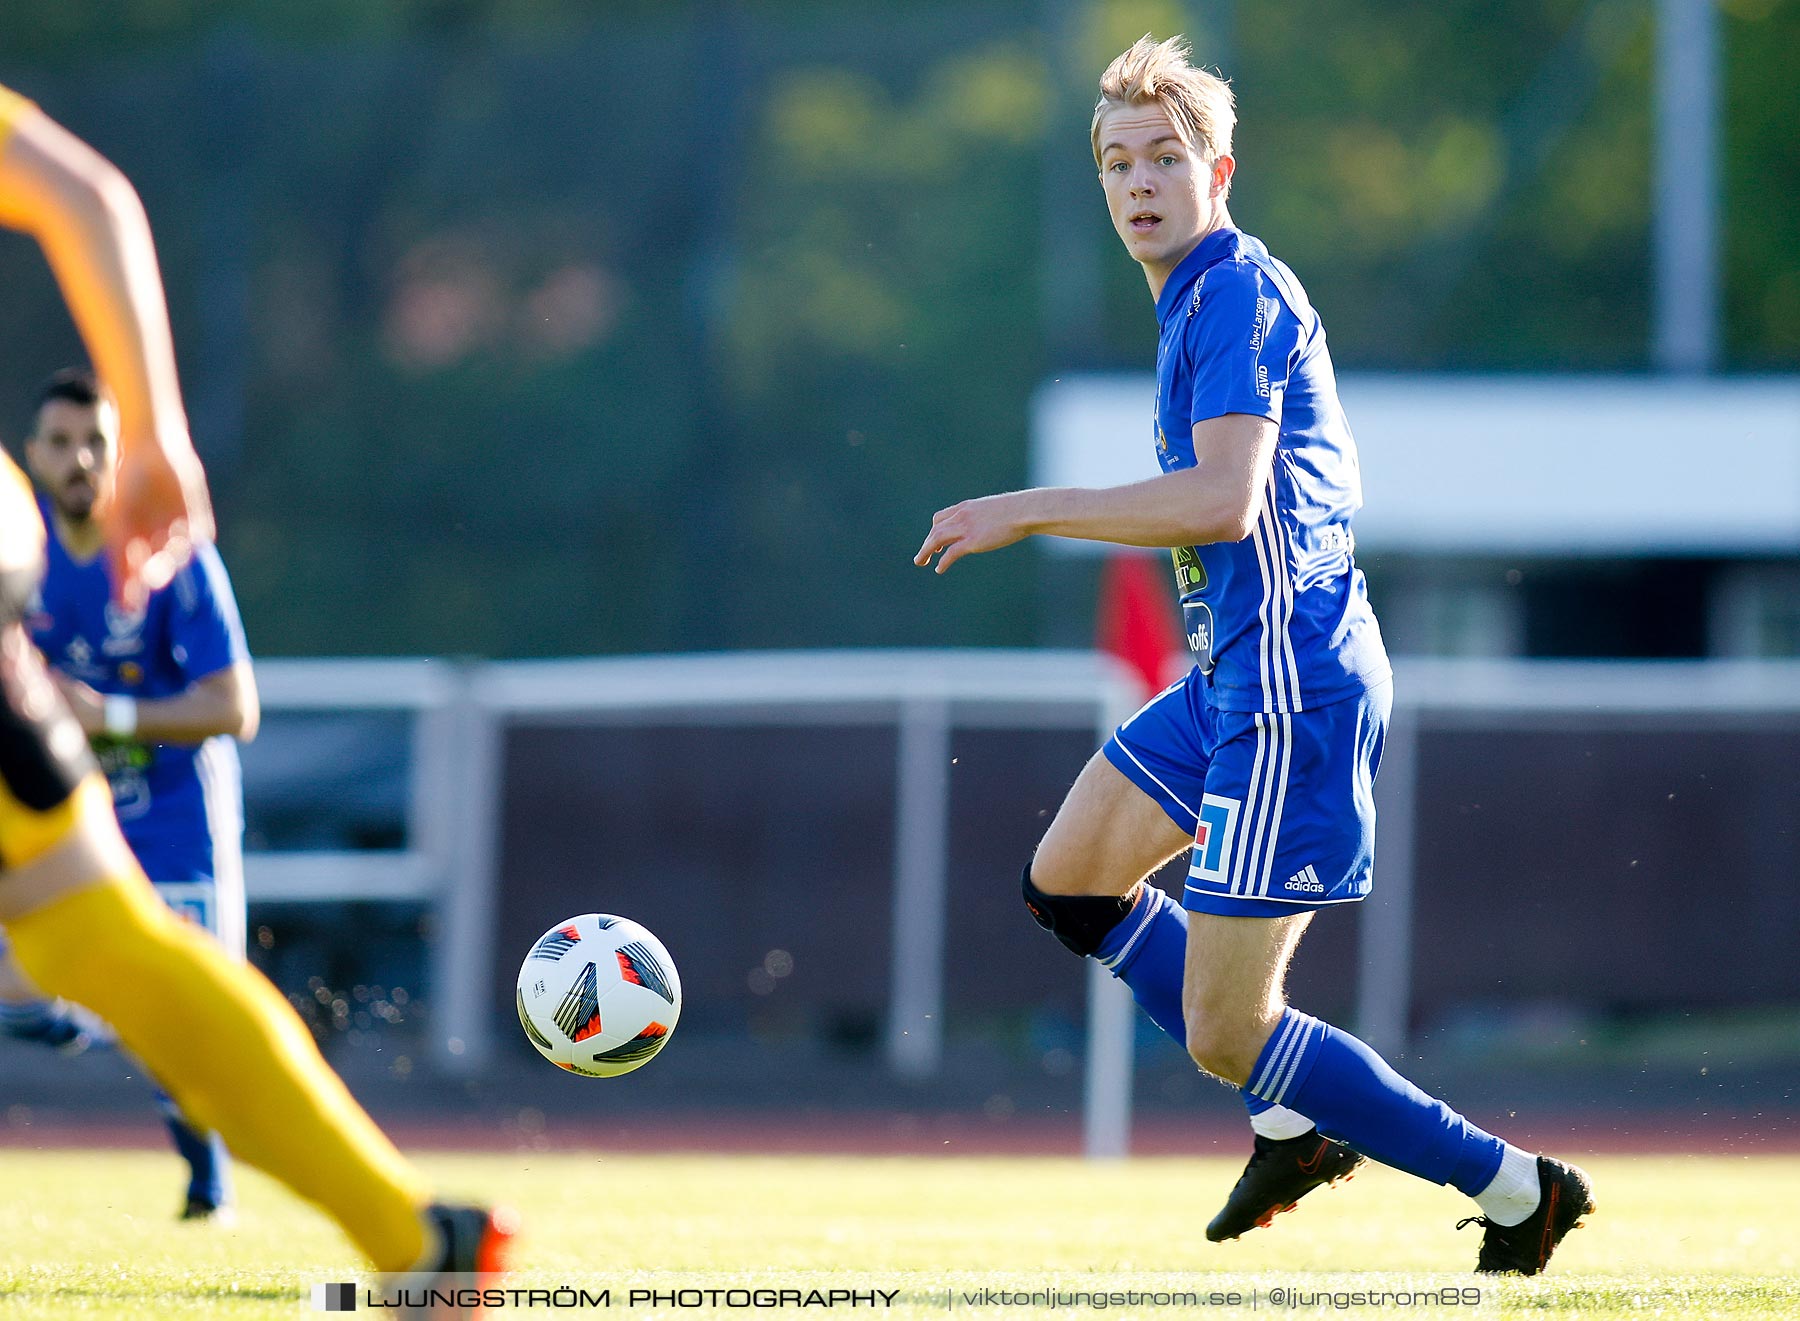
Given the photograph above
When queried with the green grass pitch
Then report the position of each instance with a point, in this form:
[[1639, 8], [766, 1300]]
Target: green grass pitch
[[90, 1234]]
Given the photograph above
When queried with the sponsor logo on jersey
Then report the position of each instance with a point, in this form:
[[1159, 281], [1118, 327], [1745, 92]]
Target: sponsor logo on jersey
[[1194, 302], [1259, 329], [1190, 573], [1305, 881], [1197, 625], [1262, 381], [1199, 633], [1212, 838]]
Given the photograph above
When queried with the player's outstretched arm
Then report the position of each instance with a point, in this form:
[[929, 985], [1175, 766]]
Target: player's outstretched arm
[[224, 702], [87, 218], [1216, 500]]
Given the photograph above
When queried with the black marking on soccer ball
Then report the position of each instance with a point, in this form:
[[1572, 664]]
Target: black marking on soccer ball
[[531, 1028], [641, 1047], [579, 1013], [556, 944], [638, 964], [605, 920]]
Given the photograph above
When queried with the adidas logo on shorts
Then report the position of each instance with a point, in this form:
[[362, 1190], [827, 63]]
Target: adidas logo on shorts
[[1306, 879]]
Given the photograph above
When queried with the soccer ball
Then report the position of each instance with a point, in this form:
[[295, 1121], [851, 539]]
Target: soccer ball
[[598, 995]]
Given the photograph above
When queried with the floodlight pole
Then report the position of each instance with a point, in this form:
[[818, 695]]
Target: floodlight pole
[[1385, 929], [1112, 1013], [466, 744], [1685, 210], [1107, 1087], [915, 1029]]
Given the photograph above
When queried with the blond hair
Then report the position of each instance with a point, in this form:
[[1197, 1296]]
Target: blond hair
[[1198, 103]]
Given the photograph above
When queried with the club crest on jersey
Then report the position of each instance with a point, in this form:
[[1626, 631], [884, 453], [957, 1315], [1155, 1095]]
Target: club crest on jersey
[[1212, 838], [123, 630]]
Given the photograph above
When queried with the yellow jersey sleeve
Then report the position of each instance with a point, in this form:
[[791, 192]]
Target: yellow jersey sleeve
[[12, 105]]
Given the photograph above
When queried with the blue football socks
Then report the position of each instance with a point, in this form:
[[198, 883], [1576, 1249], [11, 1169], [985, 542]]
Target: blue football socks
[[208, 1180], [55, 1023], [1353, 1095], [1148, 952], [1307, 1066]]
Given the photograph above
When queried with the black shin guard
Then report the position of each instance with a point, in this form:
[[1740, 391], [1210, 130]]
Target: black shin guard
[[40, 764], [1079, 921]]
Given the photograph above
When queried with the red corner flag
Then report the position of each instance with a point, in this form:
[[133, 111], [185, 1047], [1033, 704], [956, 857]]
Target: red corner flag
[[1137, 619]]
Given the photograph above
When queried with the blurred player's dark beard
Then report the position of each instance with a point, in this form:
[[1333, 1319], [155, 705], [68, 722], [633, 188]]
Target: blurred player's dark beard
[[79, 518]]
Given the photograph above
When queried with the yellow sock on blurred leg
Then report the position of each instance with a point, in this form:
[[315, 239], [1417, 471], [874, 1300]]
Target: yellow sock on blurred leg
[[231, 1051]]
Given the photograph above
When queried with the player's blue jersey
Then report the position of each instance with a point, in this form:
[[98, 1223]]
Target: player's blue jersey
[[1282, 617], [171, 799]]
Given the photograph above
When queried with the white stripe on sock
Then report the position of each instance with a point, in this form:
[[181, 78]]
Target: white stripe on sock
[[1311, 1027], [1282, 1034], [1147, 902]]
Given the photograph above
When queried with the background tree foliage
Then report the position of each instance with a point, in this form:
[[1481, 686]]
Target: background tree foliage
[[522, 327]]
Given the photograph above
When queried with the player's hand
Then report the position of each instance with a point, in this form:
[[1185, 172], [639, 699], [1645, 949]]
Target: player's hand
[[160, 511], [972, 527], [85, 704]]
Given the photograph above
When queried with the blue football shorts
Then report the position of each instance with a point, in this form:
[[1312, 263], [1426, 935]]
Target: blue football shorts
[[203, 883], [1281, 807]]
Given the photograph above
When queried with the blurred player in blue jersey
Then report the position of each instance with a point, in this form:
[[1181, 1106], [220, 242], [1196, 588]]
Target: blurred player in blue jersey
[[82, 921], [163, 692], [1261, 761]]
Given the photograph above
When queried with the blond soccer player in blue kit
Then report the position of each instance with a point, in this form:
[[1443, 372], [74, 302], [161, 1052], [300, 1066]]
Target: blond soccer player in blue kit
[[1261, 760]]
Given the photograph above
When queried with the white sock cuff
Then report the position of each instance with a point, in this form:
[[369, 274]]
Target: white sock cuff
[[1280, 1123], [1514, 1191]]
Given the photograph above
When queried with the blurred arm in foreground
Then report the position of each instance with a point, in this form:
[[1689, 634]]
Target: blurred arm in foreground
[[87, 218]]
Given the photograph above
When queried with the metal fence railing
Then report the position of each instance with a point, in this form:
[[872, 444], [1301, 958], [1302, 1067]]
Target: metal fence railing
[[1570, 757]]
